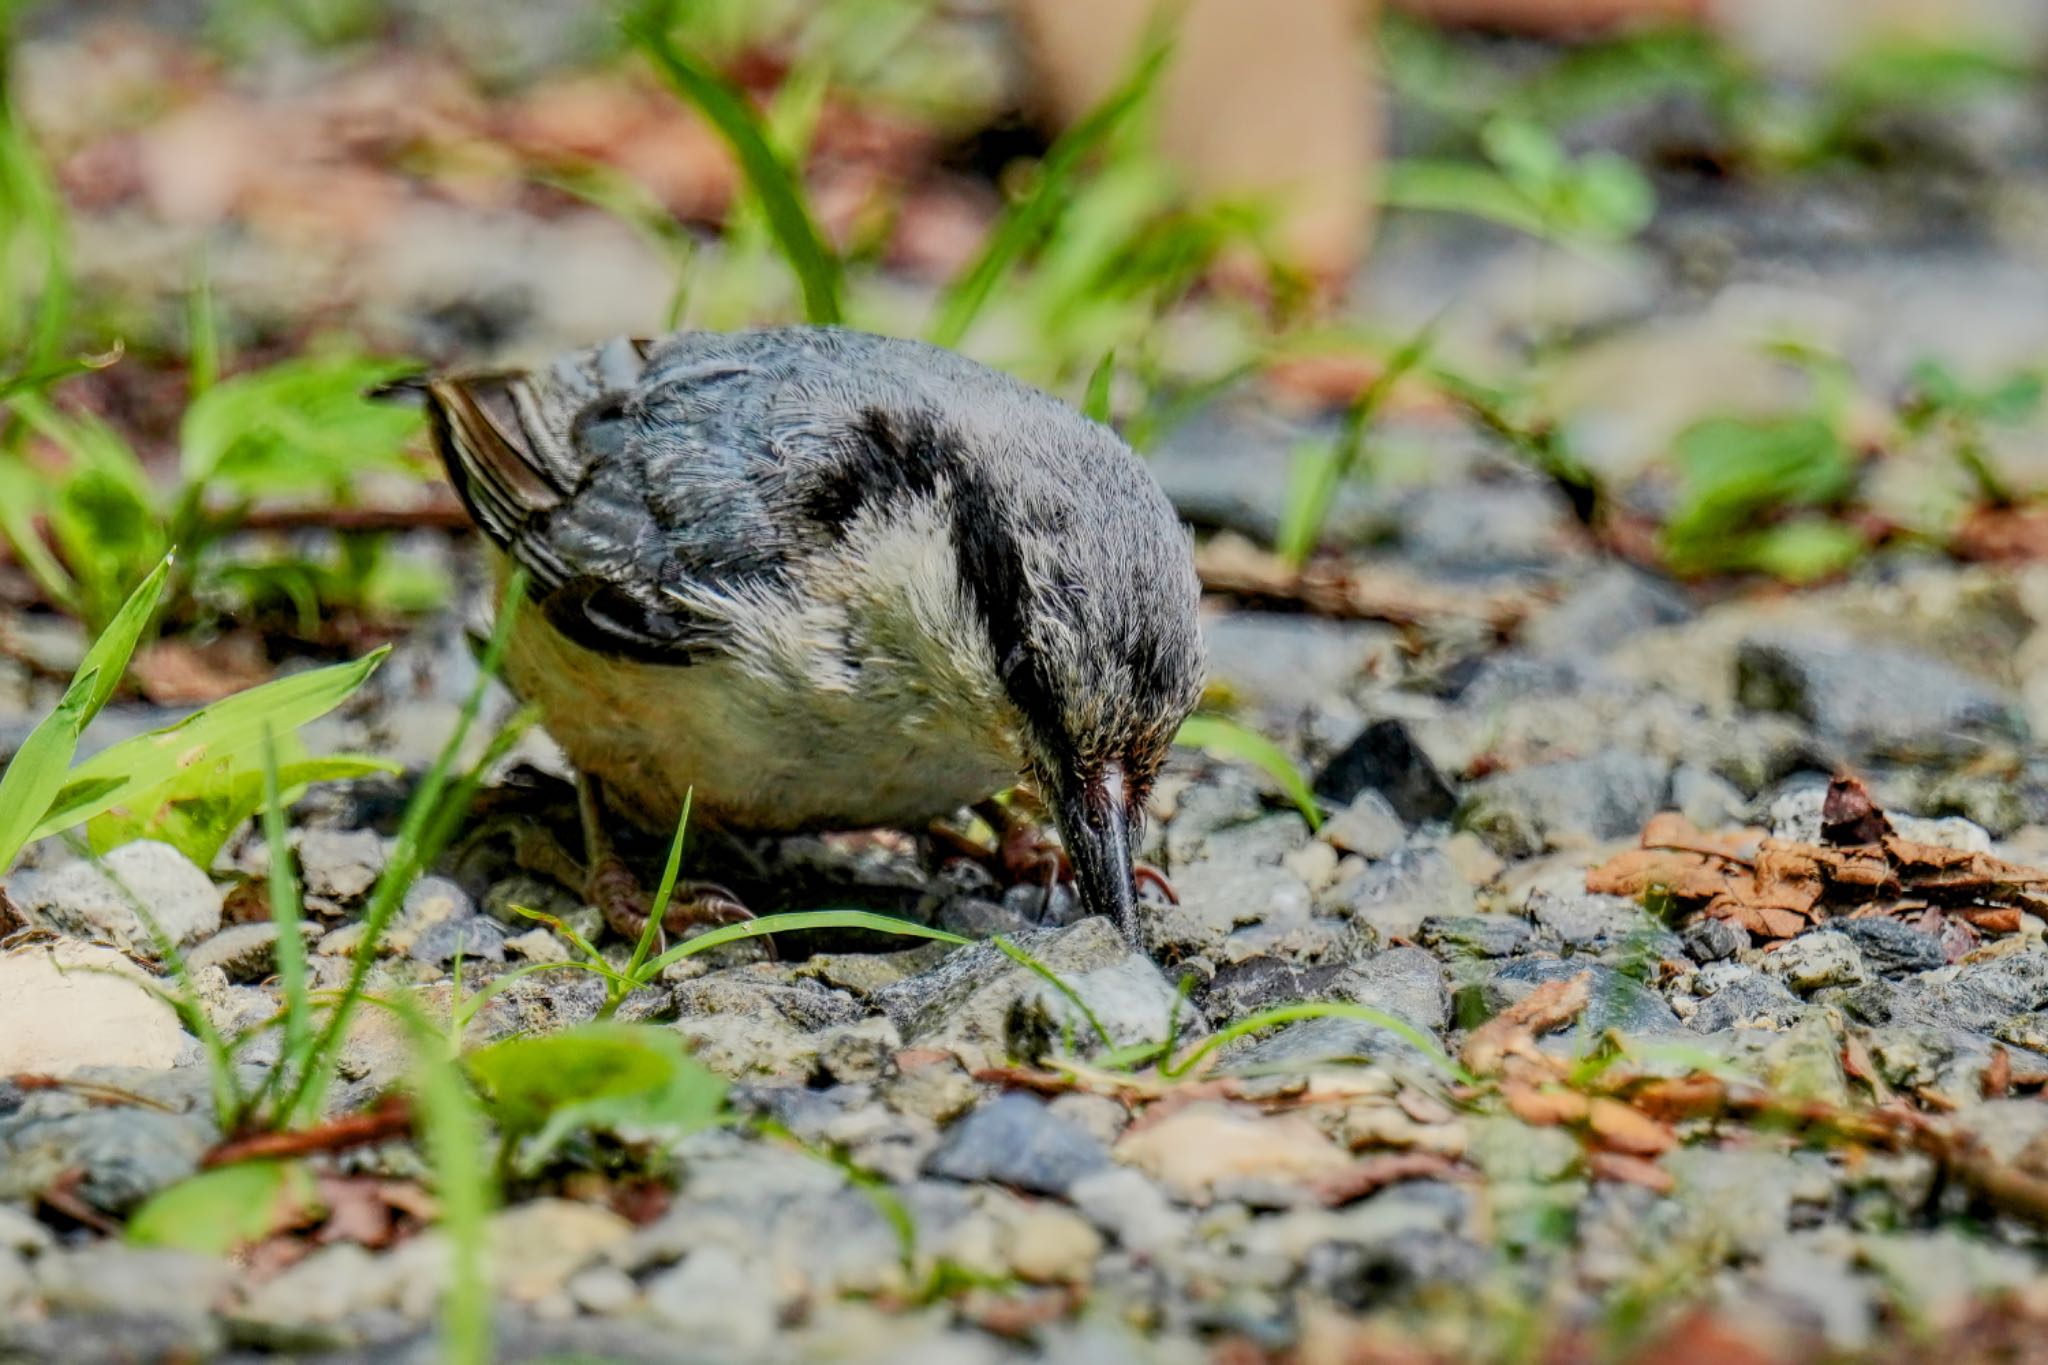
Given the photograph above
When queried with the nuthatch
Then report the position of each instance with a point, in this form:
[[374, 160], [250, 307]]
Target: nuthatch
[[825, 579]]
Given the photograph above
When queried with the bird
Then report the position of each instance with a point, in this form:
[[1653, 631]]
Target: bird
[[818, 579]]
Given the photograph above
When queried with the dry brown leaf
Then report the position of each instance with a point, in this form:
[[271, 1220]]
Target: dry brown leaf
[[1377, 1172], [1622, 1128], [1630, 1170], [1513, 1031], [1777, 889], [1546, 1107]]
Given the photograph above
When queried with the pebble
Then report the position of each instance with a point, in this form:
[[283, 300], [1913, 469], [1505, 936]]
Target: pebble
[[1617, 1002], [1395, 896], [1568, 801], [1368, 827], [1383, 759], [1880, 701], [101, 901], [1816, 959], [1016, 1140], [716, 1302], [67, 1006], [1205, 1148]]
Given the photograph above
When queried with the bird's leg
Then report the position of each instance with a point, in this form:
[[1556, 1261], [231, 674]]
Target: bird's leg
[[1024, 853], [611, 886]]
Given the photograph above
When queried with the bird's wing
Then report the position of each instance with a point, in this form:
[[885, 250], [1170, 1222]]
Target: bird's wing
[[552, 466]]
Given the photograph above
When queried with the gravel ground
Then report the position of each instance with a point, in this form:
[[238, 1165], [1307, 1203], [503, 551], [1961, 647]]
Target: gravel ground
[[1322, 1192]]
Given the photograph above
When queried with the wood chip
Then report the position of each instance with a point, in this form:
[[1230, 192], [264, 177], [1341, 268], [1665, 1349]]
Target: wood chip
[[1630, 1170]]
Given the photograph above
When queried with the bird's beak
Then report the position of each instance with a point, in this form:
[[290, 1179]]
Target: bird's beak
[[1095, 824]]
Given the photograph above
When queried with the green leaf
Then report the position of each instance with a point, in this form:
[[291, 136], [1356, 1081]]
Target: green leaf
[[1095, 403], [1026, 220], [202, 806], [781, 197], [303, 425], [225, 1209], [37, 775], [1804, 551], [222, 730], [619, 1078], [1226, 738], [1736, 471]]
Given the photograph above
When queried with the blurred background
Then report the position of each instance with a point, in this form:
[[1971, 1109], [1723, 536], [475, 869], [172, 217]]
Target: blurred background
[[1737, 290]]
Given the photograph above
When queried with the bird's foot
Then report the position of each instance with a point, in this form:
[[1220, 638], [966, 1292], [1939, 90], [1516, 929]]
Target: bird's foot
[[1026, 855], [618, 895]]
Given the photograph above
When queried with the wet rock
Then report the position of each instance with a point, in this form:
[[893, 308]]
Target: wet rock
[[1204, 1150], [1617, 1002], [1385, 759], [1016, 1140], [1569, 801], [1368, 827], [1743, 998], [986, 1008], [1815, 960], [66, 1006], [103, 900], [1892, 947], [1879, 701], [1395, 896], [1476, 937], [1713, 940], [1609, 607], [471, 937]]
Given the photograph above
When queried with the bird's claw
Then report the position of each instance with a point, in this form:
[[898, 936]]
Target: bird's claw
[[619, 897]]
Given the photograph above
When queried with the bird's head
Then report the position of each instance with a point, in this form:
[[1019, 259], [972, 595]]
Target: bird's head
[[1084, 580]]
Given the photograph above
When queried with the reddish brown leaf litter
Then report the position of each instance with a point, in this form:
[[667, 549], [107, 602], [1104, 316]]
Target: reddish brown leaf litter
[[1778, 888]]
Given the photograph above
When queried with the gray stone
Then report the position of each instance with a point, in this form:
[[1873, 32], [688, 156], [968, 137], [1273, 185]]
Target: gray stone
[[1710, 939], [1892, 947], [1617, 1002], [717, 1302], [1294, 661], [339, 865], [1744, 998], [102, 900], [987, 1008], [1815, 960], [1405, 981], [1569, 801], [123, 1154], [1476, 937], [1368, 827], [1220, 801], [1707, 799], [242, 952], [1241, 988], [1488, 526], [1221, 902], [1609, 607], [1394, 897], [1745, 1196], [1383, 759], [1016, 1140], [1983, 995], [1880, 701], [473, 937], [1586, 923], [1137, 1213], [109, 1279]]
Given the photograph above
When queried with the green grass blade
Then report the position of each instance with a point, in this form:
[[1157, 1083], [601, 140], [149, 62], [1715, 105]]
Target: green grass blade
[[1025, 222], [39, 771], [1095, 405], [651, 931], [409, 853], [1053, 979], [773, 183], [1317, 484], [1226, 738], [796, 922], [228, 727], [1288, 1014], [285, 914]]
